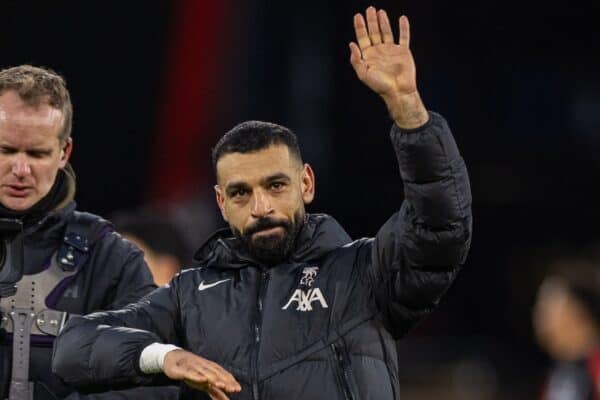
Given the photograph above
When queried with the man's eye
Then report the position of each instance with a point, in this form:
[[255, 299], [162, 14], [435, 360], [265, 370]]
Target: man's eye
[[239, 193], [7, 150], [277, 185]]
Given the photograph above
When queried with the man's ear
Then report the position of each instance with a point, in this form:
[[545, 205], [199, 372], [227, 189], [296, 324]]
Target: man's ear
[[307, 184], [65, 152], [220, 201]]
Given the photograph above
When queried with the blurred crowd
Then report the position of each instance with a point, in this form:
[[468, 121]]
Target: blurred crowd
[[564, 310]]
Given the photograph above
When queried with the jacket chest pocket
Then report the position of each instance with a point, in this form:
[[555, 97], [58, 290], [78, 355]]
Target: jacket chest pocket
[[342, 367]]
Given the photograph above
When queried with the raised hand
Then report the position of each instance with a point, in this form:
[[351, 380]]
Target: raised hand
[[386, 67], [200, 373]]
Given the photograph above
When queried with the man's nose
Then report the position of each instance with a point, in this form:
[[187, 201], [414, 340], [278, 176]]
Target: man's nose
[[21, 167], [262, 204]]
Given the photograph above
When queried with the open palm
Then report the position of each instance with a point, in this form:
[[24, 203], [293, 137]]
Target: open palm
[[384, 66]]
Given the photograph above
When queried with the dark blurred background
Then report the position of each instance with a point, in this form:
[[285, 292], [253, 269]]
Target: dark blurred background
[[154, 84]]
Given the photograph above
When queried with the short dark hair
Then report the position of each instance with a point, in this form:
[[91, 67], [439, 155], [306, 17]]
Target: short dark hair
[[252, 136], [37, 85]]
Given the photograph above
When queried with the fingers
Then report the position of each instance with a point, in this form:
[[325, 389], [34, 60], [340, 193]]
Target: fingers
[[404, 31], [220, 379], [373, 26], [231, 384], [201, 377], [216, 393], [211, 374], [377, 29], [385, 27], [362, 36], [195, 378], [200, 371]]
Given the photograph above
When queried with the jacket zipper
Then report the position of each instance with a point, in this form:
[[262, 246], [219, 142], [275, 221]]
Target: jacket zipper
[[262, 288], [343, 371]]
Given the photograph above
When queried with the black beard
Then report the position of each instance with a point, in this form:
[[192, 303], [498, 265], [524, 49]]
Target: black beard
[[271, 249]]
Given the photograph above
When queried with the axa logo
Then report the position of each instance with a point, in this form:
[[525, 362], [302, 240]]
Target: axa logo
[[305, 299]]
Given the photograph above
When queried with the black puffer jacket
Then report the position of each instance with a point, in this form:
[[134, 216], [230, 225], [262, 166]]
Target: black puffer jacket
[[113, 275], [321, 325]]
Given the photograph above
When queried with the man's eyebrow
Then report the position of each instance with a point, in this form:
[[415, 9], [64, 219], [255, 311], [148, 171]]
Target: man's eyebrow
[[280, 176]]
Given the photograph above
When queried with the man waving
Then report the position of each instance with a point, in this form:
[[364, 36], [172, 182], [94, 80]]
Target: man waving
[[284, 303]]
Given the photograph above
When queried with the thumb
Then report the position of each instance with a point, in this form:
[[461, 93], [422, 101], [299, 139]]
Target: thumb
[[356, 60]]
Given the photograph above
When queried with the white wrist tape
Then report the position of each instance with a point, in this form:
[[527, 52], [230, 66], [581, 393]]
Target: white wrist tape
[[153, 357]]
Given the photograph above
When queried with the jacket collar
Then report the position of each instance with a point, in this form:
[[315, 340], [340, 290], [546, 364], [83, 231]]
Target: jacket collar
[[319, 235], [56, 218]]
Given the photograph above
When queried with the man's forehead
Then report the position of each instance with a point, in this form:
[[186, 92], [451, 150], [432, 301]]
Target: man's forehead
[[255, 165], [14, 109]]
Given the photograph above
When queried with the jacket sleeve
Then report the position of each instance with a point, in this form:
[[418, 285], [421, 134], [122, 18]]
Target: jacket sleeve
[[102, 349], [417, 253]]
